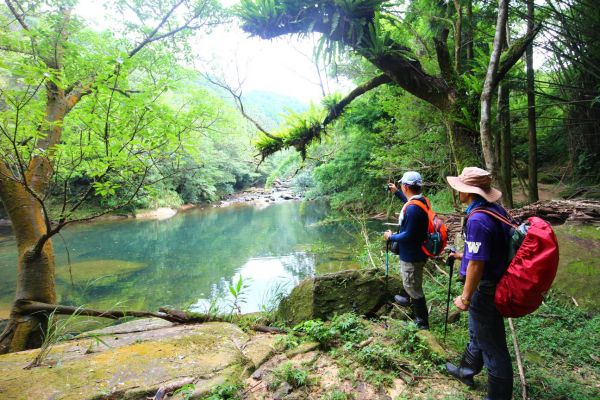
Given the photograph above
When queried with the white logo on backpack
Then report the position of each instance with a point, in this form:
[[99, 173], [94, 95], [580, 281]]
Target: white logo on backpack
[[473, 246]]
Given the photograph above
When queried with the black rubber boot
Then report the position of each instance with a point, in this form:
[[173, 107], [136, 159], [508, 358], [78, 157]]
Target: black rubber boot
[[421, 314], [499, 388], [403, 299], [470, 365]]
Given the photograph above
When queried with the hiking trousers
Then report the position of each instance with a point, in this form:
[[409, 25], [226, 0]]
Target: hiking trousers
[[412, 278], [487, 334]]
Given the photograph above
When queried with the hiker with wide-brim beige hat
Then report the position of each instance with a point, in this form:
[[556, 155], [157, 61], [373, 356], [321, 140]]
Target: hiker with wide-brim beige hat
[[484, 260], [475, 180]]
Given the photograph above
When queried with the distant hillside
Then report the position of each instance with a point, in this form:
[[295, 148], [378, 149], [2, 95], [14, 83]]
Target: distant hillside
[[267, 108], [272, 106]]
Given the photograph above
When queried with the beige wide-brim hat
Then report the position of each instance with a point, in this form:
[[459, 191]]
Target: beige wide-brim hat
[[475, 180]]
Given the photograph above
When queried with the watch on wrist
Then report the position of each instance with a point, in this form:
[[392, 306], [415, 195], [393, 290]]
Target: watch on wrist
[[465, 301]]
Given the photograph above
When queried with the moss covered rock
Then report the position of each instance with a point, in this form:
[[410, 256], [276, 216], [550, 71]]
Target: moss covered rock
[[124, 363], [359, 291]]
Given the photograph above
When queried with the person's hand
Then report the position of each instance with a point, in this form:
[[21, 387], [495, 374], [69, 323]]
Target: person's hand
[[456, 255], [392, 187], [387, 234], [458, 302]]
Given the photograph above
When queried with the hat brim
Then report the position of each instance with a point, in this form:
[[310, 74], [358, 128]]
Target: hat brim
[[491, 195]]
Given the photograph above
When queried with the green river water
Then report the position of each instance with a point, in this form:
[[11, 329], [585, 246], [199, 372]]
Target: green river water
[[185, 260]]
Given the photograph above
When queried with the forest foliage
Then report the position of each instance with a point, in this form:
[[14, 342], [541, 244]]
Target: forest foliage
[[389, 130]]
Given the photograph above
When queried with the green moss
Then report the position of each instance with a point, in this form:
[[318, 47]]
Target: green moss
[[578, 273], [107, 270], [359, 291]]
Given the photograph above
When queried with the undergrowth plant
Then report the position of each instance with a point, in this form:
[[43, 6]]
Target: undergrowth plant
[[60, 329], [225, 391], [238, 293], [336, 395], [343, 329], [287, 372], [185, 392]]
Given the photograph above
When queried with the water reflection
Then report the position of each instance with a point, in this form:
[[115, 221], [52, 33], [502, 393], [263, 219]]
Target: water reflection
[[191, 257]]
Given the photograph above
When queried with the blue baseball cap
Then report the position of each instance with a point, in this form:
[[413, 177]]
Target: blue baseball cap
[[411, 178]]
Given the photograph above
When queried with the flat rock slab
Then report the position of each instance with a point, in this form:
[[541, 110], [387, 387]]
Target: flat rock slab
[[124, 363]]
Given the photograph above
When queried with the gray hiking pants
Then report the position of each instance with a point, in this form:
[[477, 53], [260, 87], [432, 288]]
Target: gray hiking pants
[[412, 278]]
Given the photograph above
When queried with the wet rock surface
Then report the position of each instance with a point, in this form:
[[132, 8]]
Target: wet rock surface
[[133, 361], [262, 197]]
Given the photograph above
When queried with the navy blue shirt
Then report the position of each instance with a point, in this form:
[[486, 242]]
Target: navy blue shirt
[[413, 231], [486, 239]]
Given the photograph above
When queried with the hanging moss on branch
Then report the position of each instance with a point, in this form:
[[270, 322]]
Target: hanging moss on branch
[[300, 130]]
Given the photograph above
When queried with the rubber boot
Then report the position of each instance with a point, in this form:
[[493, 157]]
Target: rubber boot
[[421, 314], [499, 388], [403, 299], [470, 365]]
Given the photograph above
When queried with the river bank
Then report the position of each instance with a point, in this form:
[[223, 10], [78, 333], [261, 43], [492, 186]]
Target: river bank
[[256, 196]]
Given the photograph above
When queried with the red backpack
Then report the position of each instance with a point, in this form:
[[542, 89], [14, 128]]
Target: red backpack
[[531, 271], [437, 233]]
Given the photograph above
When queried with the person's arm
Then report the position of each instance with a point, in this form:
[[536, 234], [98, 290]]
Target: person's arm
[[398, 193], [474, 274]]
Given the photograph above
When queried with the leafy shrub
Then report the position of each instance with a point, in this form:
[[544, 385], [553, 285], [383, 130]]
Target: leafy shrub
[[336, 395], [347, 328], [286, 372], [318, 331], [225, 391]]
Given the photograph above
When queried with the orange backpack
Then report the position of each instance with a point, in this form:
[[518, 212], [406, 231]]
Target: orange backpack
[[437, 233]]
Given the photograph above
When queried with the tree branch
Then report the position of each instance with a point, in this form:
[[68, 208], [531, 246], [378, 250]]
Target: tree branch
[[27, 307], [336, 110], [18, 17], [514, 53], [443, 54], [237, 96], [314, 132]]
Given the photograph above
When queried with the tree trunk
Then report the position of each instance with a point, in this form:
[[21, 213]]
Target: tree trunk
[[35, 269], [35, 272], [505, 143], [470, 54], [464, 145], [491, 80], [531, 120], [458, 37]]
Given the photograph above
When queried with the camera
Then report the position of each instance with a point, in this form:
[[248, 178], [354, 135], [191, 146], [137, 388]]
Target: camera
[[386, 188]]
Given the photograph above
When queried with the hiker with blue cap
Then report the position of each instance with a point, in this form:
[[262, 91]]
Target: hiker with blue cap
[[412, 231]]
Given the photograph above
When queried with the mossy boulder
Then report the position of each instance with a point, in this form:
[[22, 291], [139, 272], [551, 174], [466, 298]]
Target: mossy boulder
[[360, 291]]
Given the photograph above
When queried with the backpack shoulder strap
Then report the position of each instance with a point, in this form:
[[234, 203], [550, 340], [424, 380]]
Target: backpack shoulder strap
[[494, 215], [423, 207]]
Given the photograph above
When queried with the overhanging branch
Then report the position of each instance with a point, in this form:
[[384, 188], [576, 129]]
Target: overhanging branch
[[514, 53], [315, 131]]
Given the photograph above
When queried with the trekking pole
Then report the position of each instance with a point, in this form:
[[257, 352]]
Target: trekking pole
[[450, 264], [387, 258]]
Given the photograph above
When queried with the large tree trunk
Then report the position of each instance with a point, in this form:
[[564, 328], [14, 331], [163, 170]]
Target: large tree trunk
[[491, 80], [464, 145], [35, 269], [469, 40], [531, 128], [35, 272], [505, 143]]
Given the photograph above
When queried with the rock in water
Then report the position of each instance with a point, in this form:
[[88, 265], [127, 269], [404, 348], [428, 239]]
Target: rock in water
[[360, 291]]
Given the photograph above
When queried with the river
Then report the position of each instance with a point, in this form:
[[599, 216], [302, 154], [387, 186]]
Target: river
[[186, 260]]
